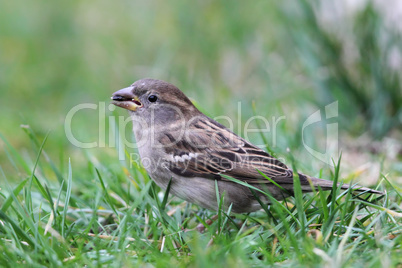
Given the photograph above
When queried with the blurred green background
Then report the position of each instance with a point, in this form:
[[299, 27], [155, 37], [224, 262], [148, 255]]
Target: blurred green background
[[290, 57]]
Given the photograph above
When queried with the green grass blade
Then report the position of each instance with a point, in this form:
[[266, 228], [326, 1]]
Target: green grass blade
[[165, 197], [107, 196], [392, 186], [16, 191], [299, 202], [335, 183], [67, 200]]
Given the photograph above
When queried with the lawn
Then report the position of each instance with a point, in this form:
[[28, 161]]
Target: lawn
[[73, 191]]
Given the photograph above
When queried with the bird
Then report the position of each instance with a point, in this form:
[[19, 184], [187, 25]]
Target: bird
[[195, 157]]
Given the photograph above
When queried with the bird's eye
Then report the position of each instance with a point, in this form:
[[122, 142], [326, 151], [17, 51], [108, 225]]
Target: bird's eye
[[152, 98]]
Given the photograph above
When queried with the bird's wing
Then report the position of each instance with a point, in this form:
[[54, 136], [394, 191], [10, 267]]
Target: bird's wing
[[208, 149]]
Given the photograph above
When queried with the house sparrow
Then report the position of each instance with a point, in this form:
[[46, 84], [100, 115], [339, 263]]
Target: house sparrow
[[178, 143]]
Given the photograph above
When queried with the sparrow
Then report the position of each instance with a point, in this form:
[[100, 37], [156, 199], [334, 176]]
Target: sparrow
[[182, 147]]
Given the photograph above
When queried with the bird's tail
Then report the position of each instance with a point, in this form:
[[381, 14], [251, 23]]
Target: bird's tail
[[307, 181]]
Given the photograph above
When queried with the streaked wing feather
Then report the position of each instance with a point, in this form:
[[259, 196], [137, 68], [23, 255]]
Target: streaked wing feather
[[220, 151]]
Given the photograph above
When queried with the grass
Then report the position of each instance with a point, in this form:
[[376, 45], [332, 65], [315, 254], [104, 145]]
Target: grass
[[64, 205], [113, 215]]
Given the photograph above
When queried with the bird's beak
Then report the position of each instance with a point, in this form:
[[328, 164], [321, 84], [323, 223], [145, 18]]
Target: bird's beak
[[125, 98]]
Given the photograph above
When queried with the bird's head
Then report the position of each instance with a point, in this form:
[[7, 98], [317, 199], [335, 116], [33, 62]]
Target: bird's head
[[157, 100]]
